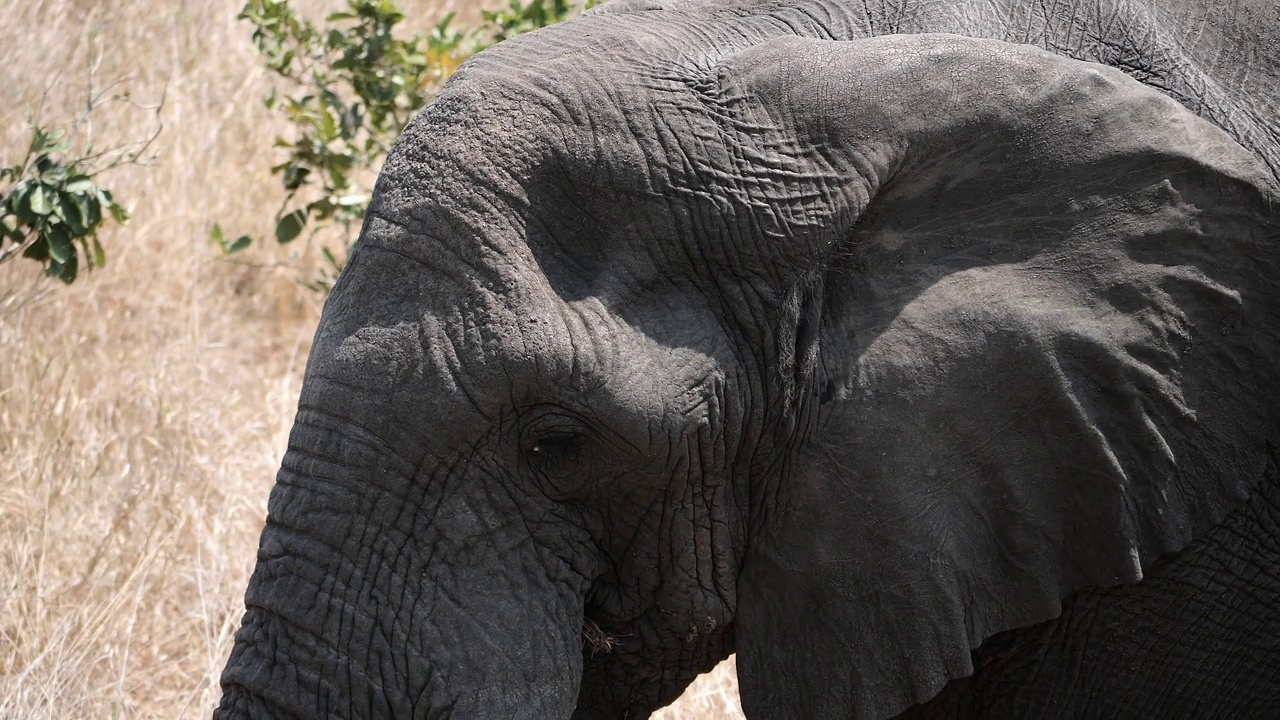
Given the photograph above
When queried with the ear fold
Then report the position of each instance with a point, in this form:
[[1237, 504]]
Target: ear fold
[[1046, 357]]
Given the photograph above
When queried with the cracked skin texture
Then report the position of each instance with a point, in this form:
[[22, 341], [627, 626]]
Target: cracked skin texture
[[919, 352]]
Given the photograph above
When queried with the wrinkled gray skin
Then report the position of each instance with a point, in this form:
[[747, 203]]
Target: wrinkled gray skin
[[916, 368]]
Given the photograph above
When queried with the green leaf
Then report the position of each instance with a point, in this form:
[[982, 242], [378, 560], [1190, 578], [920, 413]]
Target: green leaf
[[328, 256], [19, 202], [351, 119], [37, 250], [321, 209], [85, 250], [228, 248], [44, 142], [340, 163], [60, 247], [54, 174], [295, 176], [83, 215], [99, 255], [65, 271], [290, 226], [442, 27], [80, 184], [92, 209], [328, 127], [118, 213], [40, 201], [68, 209]]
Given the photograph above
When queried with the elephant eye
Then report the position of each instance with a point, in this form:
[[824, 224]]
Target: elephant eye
[[556, 452], [556, 447]]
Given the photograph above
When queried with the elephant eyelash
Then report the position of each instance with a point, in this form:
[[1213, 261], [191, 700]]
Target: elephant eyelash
[[557, 459], [554, 451]]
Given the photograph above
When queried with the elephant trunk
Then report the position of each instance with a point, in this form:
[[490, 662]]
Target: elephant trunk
[[377, 593]]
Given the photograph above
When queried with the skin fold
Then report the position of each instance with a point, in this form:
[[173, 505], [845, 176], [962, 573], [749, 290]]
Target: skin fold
[[921, 353]]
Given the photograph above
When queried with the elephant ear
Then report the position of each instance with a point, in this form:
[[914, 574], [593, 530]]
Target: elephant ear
[[1046, 355]]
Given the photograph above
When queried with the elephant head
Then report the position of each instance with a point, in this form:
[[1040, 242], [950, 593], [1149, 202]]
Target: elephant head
[[671, 334]]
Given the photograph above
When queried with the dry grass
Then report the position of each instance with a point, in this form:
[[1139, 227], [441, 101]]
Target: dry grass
[[144, 410]]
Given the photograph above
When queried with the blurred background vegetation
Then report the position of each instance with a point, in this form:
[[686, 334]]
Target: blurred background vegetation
[[180, 184]]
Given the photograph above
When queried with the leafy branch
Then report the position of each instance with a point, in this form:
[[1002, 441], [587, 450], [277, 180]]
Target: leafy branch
[[52, 204], [354, 85]]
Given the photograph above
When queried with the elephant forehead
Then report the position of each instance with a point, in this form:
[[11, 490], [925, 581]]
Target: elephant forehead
[[394, 325], [558, 149], [483, 353]]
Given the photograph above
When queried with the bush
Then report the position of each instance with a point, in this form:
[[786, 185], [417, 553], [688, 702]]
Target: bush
[[353, 86], [52, 205]]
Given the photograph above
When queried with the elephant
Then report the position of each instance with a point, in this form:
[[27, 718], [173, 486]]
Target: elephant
[[921, 352]]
